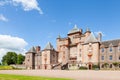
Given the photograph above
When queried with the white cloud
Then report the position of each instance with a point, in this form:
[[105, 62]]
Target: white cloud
[[3, 18], [10, 43], [26, 4], [99, 32]]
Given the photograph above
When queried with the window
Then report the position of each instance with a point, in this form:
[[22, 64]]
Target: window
[[110, 49], [119, 48], [53, 55], [80, 54], [119, 57], [110, 57], [102, 57], [102, 50]]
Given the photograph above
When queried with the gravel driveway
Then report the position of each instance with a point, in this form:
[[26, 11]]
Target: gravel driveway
[[75, 74]]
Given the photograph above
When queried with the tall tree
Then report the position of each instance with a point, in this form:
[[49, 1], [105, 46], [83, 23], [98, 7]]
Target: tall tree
[[20, 59], [9, 58]]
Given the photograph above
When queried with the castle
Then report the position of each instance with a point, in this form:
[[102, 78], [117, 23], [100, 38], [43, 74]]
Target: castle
[[77, 49]]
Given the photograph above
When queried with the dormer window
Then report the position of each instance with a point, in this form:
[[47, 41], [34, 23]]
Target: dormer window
[[110, 49], [102, 50], [119, 48]]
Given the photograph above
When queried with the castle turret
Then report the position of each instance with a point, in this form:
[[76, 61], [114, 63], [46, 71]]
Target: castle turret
[[88, 32]]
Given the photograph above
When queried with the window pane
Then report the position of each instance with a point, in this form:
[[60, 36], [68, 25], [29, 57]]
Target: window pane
[[102, 57], [102, 49], [110, 49], [110, 57]]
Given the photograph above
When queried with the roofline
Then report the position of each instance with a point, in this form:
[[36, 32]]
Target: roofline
[[90, 42], [74, 33], [110, 40], [30, 52]]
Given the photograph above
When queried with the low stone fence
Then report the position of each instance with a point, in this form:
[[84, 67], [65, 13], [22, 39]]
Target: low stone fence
[[18, 66]]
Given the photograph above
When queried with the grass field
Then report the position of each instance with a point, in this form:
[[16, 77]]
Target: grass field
[[20, 77]]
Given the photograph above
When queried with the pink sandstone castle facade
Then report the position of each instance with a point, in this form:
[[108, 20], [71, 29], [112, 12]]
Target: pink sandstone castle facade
[[77, 49]]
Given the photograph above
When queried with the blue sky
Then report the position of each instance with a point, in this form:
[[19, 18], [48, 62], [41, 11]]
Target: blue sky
[[42, 21]]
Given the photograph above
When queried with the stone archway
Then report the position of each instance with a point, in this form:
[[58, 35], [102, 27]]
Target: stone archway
[[90, 66]]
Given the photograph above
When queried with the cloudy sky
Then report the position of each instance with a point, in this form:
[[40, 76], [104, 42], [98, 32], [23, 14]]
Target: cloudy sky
[[27, 23]]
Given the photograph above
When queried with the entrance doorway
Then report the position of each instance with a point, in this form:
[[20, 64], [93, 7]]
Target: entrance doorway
[[90, 66], [45, 66]]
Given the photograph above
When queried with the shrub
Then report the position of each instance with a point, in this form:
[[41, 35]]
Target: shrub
[[6, 68], [95, 67], [83, 68]]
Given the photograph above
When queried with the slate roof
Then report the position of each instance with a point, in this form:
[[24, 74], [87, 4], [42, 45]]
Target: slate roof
[[32, 50], [49, 46], [91, 38], [113, 42], [75, 29]]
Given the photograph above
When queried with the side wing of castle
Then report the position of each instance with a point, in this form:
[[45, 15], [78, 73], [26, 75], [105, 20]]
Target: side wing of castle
[[76, 50]]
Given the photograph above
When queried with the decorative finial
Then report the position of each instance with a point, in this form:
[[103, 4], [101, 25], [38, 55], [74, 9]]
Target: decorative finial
[[75, 26], [59, 36], [87, 29]]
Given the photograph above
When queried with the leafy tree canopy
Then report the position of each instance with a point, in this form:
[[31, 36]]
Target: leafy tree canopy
[[12, 58]]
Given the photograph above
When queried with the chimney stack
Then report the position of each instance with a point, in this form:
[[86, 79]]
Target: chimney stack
[[38, 49], [100, 36]]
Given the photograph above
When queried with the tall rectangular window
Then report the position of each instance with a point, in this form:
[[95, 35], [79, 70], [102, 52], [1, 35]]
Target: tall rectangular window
[[119, 57], [110, 57], [102, 50], [102, 57], [111, 49], [118, 48]]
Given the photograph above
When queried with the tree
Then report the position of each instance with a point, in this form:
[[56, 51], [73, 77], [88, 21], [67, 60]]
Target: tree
[[9, 58], [116, 64], [20, 59]]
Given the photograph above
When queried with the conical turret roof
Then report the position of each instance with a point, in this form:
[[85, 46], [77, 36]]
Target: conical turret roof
[[32, 50], [75, 29], [49, 46], [91, 38]]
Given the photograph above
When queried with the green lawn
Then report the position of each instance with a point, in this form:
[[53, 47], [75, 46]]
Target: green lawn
[[20, 77]]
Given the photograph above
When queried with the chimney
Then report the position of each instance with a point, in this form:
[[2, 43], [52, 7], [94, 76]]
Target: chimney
[[38, 49], [100, 36]]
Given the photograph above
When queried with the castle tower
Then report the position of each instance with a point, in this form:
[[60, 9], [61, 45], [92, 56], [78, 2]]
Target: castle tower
[[30, 59]]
